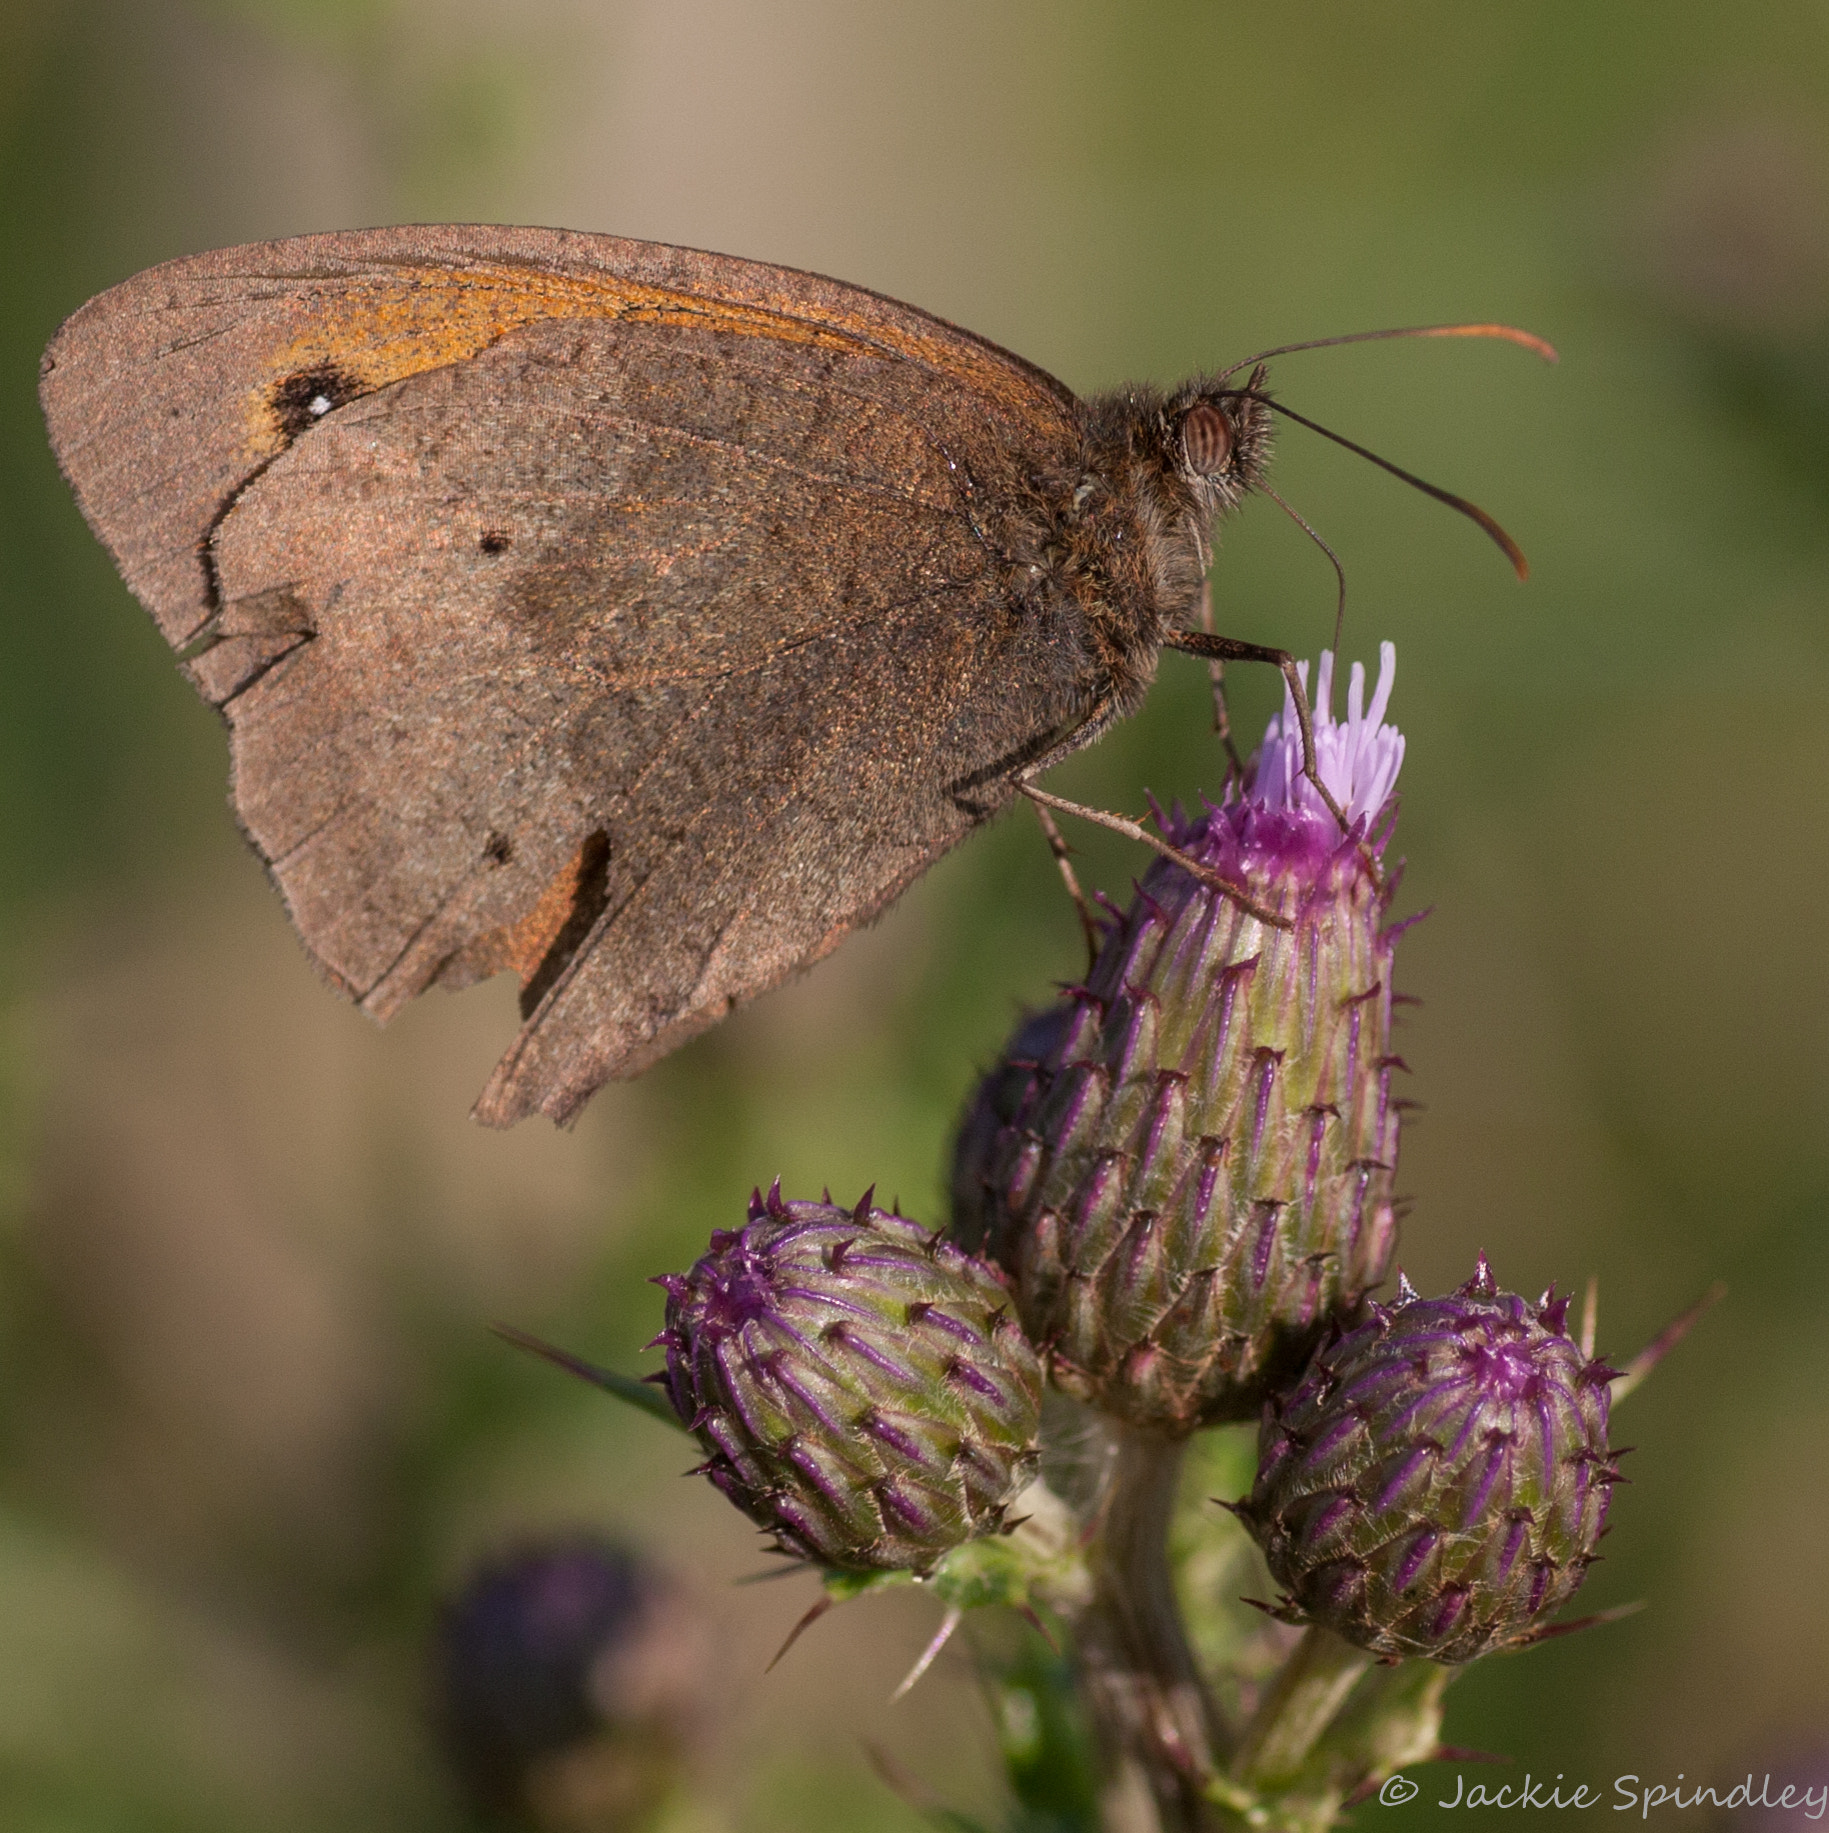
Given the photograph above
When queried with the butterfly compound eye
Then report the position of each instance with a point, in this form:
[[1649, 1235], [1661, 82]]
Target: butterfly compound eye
[[1206, 438]]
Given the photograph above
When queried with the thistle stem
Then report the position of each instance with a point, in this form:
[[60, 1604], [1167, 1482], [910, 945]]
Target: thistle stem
[[1142, 1682], [1303, 1701]]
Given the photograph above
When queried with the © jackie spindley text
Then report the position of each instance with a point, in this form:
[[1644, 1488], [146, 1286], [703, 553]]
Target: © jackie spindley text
[[1807, 1800]]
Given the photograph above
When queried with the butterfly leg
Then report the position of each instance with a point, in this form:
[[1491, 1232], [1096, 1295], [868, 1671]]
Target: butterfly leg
[[1057, 845], [1216, 668], [1222, 649], [1103, 716], [1133, 830]]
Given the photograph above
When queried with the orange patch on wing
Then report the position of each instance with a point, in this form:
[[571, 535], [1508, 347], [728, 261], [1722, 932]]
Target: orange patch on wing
[[418, 318], [524, 946]]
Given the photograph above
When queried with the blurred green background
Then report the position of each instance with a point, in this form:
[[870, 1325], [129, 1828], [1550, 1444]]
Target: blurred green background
[[251, 1425]]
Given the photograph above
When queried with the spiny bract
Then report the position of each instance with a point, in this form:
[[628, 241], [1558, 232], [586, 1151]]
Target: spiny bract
[[1436, 1482], [862, 1386]]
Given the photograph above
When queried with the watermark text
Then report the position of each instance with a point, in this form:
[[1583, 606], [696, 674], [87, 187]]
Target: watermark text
[[1631, 1794]]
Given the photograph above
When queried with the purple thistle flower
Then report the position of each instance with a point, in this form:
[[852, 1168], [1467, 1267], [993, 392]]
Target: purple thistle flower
[[862, 1386], [1186, 1164], [1437, 1480], [1358, 761]]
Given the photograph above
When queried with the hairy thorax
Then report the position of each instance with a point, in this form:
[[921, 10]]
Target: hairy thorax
[[1111, 547]]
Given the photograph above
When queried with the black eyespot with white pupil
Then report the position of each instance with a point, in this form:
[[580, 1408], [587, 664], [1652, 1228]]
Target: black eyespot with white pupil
[[300, 401], [1206, 438]]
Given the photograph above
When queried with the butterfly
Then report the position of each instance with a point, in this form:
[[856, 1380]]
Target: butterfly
[[634, 619]]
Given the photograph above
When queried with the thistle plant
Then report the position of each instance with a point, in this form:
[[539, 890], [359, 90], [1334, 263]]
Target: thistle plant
[[1173, 1204]]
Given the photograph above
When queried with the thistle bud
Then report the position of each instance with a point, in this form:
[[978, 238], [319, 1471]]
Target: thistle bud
[[862, 1387], [1186, 1164], [1437, 1480], [568, 1673]]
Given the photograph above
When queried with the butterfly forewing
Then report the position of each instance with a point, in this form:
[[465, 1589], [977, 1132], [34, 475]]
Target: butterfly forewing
[[166, 393], [644, 651]]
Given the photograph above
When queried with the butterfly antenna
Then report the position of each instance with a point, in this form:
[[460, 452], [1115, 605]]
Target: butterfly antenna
[[1333, 558], [1508, 333], [1472, 511]]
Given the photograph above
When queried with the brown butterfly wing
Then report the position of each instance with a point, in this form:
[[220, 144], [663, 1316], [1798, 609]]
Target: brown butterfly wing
[[165, 394], [640, 654]]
